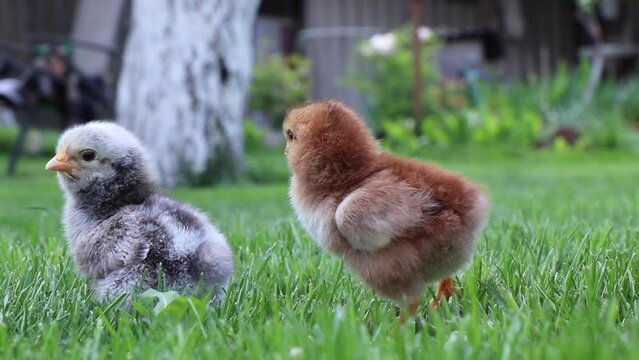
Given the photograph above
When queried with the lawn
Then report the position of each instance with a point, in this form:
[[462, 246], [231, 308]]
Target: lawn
[[556, 275]]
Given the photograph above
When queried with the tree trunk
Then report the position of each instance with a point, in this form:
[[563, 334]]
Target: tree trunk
[[184, 79]]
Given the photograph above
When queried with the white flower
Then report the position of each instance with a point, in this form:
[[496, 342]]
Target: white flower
[[424, 33], [383, 44]]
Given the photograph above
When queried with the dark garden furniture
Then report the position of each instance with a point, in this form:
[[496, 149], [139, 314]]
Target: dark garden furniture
[[70, 77]]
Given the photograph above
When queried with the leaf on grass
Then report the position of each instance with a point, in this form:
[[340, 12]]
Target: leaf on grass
[[165, 299], [171, 303]]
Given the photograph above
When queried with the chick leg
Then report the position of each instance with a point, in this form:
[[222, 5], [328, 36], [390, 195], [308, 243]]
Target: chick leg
[[446, 289], [412, 310]]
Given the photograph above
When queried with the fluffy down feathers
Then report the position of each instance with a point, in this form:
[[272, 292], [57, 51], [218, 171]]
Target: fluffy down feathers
[[398, 223], [123, 233]]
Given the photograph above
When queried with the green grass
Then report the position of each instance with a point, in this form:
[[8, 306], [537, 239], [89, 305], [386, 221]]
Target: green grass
[[556, 275]]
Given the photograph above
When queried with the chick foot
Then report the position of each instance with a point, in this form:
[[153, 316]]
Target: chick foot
[[446, 289], [412, 310]]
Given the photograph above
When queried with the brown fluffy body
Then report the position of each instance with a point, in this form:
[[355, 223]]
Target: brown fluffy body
[[398, 223]]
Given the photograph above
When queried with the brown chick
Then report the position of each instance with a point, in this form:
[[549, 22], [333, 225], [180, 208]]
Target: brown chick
[[398, 223]]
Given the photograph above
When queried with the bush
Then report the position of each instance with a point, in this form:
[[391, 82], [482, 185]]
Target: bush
[[548, 112], [455, 112], [254, 137], [384, 74], [279, 83]]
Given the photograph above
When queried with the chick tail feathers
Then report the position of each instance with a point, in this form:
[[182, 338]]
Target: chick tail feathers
[[213, 265], [121, 281], [479, 213]]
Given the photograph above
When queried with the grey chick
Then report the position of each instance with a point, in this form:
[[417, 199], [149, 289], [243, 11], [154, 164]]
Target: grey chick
[[121, 231]]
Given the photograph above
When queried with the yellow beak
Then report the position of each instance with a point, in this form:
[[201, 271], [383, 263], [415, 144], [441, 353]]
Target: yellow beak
[[60, 162]]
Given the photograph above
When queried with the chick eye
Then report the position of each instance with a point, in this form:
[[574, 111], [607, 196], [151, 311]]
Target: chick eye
[[289, 134], [88, 155]]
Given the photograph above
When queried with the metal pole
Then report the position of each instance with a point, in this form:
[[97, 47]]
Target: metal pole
[[417, 54]]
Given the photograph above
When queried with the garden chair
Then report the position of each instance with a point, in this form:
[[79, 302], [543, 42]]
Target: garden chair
[[69, 73]]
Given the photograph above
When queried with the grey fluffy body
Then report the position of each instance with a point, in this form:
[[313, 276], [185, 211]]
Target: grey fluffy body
[[122, 233]]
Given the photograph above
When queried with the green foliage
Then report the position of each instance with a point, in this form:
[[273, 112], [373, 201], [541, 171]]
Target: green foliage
[[623, 97], [610, 133], [264, 163], [8, 135], [587, 5], [477, 112], [384, 75], [524, 114], [266, 166], [603, 122], [555, 276], [500, 114], [254, 136], [401, 134], [279, 83], [171, 303], [220, 169]]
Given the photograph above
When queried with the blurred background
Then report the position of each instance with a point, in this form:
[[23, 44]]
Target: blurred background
[[206, 84]]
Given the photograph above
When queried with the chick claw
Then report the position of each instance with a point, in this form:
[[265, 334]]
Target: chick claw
[[446, 289], [412, 310]]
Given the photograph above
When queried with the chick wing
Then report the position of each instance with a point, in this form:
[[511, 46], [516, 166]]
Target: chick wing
[[378, 211], [112, 244]]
